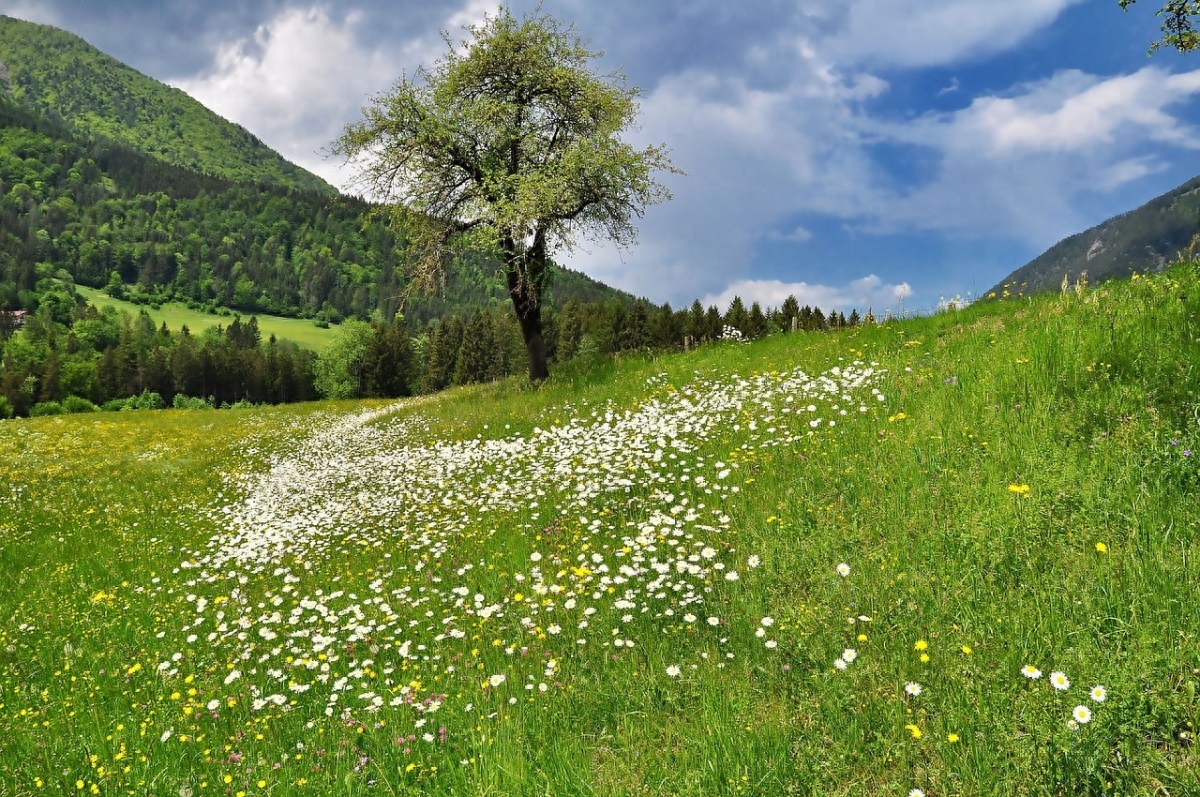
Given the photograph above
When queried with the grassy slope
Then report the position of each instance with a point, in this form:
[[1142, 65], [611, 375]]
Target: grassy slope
[[970, 505], [301, 332]]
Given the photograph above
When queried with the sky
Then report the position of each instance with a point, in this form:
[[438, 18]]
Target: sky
[[872, 154]]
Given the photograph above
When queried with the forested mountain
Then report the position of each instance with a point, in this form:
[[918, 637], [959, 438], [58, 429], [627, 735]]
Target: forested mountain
[[64, 78], [1144, 240], [110, 216]]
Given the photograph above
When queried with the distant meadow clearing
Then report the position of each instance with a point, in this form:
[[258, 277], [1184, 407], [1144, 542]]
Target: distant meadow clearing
[[952, 555]]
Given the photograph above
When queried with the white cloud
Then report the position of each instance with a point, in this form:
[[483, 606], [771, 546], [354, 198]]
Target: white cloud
[[305, 74], [869, 292], [798, 235], [933, 32], [31, 11]]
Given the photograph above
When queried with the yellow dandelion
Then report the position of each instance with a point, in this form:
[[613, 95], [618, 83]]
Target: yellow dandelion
[[921, 645], [914, 730], [952, 738], [1019, 489], [1101, 548]]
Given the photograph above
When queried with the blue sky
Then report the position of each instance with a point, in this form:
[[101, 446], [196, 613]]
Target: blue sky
[[849, 152]]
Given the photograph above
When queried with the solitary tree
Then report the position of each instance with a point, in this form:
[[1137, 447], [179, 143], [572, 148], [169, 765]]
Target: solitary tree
[[1179, 20], [511, 142]]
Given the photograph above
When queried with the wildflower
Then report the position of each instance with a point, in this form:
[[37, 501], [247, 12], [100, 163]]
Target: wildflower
[[913, 688], [952, 738], [497, 679], [1101, 548], [1019, 489], [914, 730], [843, 569], [921, 644], [1031, 672], [1099, 694], [966, 649], [753, 561], [1072, 724], [674, 671], [849, 654], [915, 793], [1082, 714], [1058, 680], [767, 622], [840, 664]]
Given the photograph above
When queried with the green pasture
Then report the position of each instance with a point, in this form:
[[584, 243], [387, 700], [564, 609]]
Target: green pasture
[[175, 315], [954, 555]]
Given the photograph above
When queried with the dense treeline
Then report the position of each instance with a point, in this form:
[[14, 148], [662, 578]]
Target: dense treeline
[[69, 356], [105, 358], [113, 218]]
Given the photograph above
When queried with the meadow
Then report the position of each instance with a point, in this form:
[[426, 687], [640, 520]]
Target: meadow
[[948, 555], [175, 315]]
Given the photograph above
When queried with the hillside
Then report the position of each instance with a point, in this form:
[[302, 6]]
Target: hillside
[[64, 78], [949, 555], [1142, 240], [101, 211]]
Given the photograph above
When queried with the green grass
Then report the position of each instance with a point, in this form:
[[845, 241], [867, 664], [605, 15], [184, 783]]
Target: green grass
[[1024, 494], [303, 333]]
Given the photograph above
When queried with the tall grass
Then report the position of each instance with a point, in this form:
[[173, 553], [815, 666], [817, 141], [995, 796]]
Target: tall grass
[[1024, 496]]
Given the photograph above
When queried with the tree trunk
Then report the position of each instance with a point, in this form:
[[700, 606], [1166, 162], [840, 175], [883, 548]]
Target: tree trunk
[[524, 286]]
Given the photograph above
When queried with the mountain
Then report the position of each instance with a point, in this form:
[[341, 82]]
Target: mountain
[[1144, 240], [65, 79], [115, 180]]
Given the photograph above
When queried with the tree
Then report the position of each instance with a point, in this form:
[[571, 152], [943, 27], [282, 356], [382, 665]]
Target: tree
[[1178, 24], [341, 368], [512, 143]]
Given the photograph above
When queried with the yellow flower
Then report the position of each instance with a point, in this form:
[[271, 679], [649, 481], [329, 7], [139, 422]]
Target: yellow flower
[[1101, 548], [952, 737], [924, 658], [914, 730], [1019, 489], [966, 649], [921, 645]]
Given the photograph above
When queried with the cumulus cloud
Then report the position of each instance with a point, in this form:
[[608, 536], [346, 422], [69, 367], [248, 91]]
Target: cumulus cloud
[[866, 293], [305, 73], [900, 33], [31, 11]]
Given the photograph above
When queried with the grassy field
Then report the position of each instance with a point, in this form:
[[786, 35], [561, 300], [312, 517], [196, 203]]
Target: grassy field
[[948, 556], [300, 331]]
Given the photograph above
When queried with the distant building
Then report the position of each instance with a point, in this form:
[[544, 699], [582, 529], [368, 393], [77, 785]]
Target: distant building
[[16, 318]]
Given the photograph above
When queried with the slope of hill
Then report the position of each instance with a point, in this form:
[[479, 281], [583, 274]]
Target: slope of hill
[[1142, 240], [895, 560], [103, 212], [64, 78]]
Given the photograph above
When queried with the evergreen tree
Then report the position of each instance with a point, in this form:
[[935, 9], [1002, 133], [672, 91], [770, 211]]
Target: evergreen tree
[[756, 322], [477, 351], [736, 316]]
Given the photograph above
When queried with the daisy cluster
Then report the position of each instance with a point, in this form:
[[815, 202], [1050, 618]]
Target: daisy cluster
[[493, 561], [1082, 713]]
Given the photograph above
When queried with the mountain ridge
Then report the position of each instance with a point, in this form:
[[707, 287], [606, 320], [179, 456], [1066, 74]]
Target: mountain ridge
[[61, 76], [1144, 239]]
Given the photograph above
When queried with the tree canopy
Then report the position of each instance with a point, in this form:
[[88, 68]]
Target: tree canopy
[[511, 142], [1179, 18]]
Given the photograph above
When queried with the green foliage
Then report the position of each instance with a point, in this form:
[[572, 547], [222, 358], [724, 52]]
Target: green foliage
[[44, 408], [182, 402], [1178, 24], [67, 80], [77, 404], [342, 369]]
